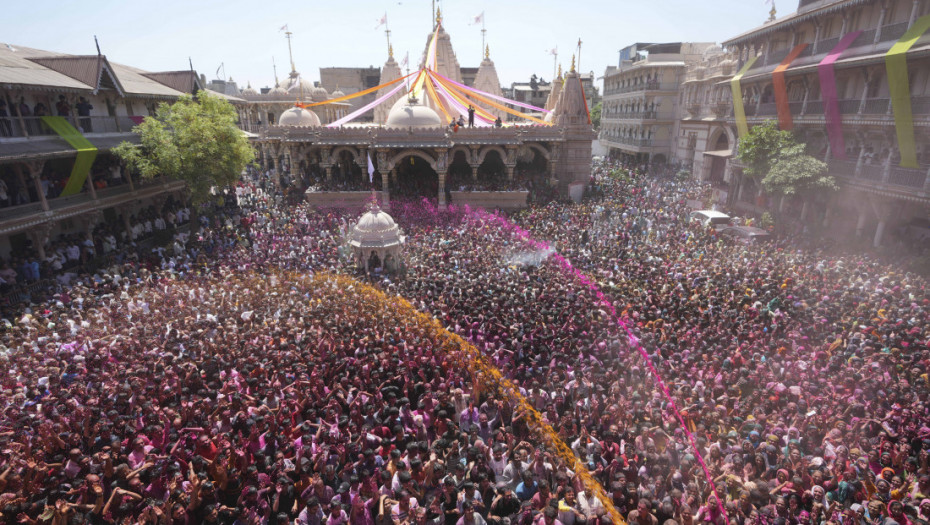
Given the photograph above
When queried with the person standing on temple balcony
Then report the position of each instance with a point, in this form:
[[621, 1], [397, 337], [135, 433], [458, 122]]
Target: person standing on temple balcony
[[83, 108], [471, 116]]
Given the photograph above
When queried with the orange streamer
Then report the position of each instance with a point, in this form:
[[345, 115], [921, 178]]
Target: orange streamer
[[781, 90], [355, 95], [496, 105]]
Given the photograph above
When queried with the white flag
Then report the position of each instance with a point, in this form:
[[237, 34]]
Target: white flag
[[554, 51], [382, 21], [405, 61], [478, 19], [8, 46], [371, 170], [283, 28]]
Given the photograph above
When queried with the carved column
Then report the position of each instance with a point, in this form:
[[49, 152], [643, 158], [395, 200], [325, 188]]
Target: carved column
[[35, 173], [385, 172], [39, 237], [442, 166]]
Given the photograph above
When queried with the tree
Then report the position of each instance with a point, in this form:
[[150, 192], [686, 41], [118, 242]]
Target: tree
[[776, 157], [596, 115], [796, 172], [195, 140], [761, 147]]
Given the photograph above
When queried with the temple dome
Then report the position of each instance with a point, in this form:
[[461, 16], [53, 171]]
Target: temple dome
[[298, 117], [278, 90], [249, 90], [411, 113], [376, 229], [302, 86], [319, 94]]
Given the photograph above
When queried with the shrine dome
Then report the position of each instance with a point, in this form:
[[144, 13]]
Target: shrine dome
[[299, 117], [410, 113], [376, 229]]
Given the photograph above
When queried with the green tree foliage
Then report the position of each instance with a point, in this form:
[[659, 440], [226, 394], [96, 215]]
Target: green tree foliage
[[761, 147], [775, 157], [195, 140], [794, 171], [596, 115]]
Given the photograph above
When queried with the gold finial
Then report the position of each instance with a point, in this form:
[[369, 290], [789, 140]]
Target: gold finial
[[572, 70], [438, 16], [560, 72], [487, 51], [390, 50], [772, 12]]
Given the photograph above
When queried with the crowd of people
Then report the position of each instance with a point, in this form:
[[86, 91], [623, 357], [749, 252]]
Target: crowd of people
[[236, 380]]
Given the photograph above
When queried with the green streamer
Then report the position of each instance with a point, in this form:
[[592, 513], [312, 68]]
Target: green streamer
[[86, 153]]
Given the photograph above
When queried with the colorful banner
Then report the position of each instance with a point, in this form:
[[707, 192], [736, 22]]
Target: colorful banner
[[459, 107], [357, 113], [432, 93], [494, 97], [494, 104], [831, 103], [739, 111], [355, 95], [896, 68], [86, 153], [781, 88], [461, 98]]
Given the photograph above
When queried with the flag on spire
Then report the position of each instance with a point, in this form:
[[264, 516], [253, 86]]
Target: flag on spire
[[554, 51], [283, 28], [382, 21], [405, 61], [478, 19]]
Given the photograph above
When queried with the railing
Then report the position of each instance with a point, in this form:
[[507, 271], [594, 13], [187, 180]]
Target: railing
[[920, 105], [864, 39], [775, 57], [22, 127], [796, 107], [842, 168], [849, 106], [767, 108], [826, 45], [815, 107], [648, 86], [908, 177], [893, 31], [871, 172], [876, 106]]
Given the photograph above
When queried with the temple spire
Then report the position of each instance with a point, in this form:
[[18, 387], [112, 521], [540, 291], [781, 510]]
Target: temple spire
[[487, 51], [773, 12], [572, 70]]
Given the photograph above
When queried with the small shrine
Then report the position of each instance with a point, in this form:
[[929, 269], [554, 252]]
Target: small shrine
[[376, 242]]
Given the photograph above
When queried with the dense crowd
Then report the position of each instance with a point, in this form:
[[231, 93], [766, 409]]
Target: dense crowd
[[236, 381]]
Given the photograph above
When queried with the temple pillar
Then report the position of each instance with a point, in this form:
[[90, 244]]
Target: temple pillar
[[35, 168], [442, 190], [39, 236], [879, 232], [510, 168], [860, 224]]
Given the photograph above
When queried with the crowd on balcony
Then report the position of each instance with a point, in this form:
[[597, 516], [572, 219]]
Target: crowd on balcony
[[215, 387], [16, 190]]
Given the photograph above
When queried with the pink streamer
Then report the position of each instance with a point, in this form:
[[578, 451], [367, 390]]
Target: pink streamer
[[462, 110], [357, 113], [632, 339], [831, 105], [489, 95]]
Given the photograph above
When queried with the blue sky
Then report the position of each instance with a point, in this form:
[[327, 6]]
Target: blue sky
[[245, 35]]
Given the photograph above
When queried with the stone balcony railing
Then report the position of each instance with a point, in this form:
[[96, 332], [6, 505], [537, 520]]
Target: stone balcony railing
[[12, 128], [885, 175]]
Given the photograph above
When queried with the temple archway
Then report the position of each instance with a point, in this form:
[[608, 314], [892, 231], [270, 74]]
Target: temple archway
[[414, 178]]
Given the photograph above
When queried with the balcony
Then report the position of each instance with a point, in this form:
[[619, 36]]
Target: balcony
[[638, 88], [29, 127], [824, 46], [893, 31], [877, 175]]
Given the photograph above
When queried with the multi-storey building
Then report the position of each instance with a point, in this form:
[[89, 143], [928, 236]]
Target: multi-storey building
[[824, 72], [60, 115], [640, 100]]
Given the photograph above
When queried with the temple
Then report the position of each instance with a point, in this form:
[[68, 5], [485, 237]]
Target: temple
[[419, 143]]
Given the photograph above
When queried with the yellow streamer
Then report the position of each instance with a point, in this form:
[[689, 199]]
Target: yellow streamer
[[496, 105], [739, 111], [465, 102], [899, 86], [442, 107]]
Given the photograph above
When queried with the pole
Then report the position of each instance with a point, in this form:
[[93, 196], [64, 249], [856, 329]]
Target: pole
[[289, 52], [579, 54], [433, 19], [483, 31], [555, 59], [387, 34]]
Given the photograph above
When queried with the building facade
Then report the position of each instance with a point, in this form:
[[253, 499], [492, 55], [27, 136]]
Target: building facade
[[823, 72], [60, 115], [640, 102]]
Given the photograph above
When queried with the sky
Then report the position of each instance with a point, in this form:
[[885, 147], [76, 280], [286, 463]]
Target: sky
[[246, 36]]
